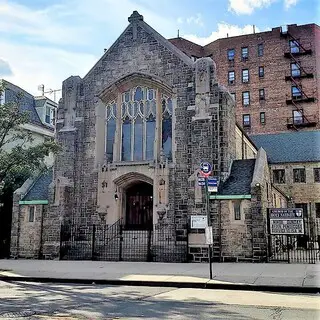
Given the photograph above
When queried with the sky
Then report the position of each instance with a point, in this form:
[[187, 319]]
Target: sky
[[46, 41]]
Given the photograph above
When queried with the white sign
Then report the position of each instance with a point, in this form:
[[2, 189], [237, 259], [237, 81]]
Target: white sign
[[209, 235], [289, 226], [212, 189], [199, 222]]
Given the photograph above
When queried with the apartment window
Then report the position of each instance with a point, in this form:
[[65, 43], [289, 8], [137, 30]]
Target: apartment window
[[262, 117], [296, 92], [299, 175], [244, 53], [237, 210], [260, 50], [295, 70], [231, 53], [246, 120], [279, 176], [261, 72], [31, 214], [294, 46], [297, 116], [317, 205], [316, 173], [245, 75], [261, 94], [231, 77], [246, 98], [233, 95]]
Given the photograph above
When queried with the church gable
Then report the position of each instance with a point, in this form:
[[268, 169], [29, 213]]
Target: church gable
[[140, 49]]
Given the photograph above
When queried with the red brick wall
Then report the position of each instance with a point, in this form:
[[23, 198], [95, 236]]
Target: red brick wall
[[276, 67]]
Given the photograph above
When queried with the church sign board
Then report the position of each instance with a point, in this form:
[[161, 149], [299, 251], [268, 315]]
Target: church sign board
[[199, 222], [286, 221]]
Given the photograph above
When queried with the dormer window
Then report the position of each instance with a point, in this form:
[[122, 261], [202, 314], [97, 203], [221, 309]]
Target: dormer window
[[50, 115]]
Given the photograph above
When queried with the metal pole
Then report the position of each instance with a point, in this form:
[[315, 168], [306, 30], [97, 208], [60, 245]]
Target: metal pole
[[209, 224]]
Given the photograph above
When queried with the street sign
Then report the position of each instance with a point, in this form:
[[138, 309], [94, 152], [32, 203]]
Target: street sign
[[213, 182], [198, 222], [205, 168], [209, 235], [201, 181], [286, 221]]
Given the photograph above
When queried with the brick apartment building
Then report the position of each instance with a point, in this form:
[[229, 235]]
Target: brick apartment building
[[273, 76]]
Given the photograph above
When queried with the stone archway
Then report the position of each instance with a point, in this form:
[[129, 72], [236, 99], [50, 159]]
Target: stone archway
[[136, 203], [139, 206]]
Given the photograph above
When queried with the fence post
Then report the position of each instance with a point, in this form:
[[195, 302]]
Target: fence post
[[149, 255], [60, 246], [120, 242], [93, 241], [288, 249]]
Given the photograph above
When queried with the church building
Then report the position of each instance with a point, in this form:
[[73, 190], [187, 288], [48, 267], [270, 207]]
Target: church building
[[125, 185]]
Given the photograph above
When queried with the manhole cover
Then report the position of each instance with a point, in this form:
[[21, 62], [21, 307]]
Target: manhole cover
[[17, 314]]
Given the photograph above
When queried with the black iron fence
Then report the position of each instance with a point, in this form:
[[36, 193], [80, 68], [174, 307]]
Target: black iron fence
[[296, 248], [117, 243]]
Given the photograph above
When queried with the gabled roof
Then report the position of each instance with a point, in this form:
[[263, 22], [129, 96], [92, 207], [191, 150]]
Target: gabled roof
[[239, 181], [39, 189], [188, 47], [27, 103], [137, 19], [290, 146]]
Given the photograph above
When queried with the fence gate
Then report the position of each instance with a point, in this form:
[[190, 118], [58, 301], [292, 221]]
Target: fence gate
[[293, 248], [117, 243]]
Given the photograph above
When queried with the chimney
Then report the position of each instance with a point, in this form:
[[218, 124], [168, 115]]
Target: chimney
[[254, 29]]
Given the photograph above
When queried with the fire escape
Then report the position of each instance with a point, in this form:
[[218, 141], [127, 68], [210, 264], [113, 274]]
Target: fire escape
[[298, 96]]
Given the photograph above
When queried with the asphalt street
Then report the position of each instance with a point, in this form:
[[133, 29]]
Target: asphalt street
[[23, 300]]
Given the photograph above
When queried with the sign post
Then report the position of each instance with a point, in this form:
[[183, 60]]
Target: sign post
[[206, 170]]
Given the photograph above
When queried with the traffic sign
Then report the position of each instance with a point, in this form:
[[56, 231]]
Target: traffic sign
[[212, 182], [205, 168]]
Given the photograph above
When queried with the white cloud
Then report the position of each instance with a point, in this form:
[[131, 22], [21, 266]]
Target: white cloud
[[224, 30], [289, 3], [248, 6], [197, 20], [39, 25], [35, 65]]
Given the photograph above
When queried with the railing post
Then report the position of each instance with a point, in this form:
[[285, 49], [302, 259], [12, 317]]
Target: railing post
[[61, 237], [120, 242], [93, 241], [149, 255]]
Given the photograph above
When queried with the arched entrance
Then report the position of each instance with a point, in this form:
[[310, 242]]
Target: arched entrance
[[139, 206]]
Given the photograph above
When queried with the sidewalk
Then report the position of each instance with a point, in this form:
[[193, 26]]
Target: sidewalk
[[246, 276]]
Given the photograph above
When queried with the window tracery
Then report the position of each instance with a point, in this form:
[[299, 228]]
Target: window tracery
[[138, 125]]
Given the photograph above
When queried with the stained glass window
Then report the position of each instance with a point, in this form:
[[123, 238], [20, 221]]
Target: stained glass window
[[167, 126], [111, 115], [137, 133]]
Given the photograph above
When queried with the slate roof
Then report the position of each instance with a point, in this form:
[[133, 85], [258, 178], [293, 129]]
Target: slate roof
[[290, 146], [27, 103], [239, 181], [39, 190]]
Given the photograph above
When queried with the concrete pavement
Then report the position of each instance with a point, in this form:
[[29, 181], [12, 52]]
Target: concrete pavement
[[244, 276]]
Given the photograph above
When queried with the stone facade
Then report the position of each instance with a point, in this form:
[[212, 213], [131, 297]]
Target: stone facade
[[91, 189]]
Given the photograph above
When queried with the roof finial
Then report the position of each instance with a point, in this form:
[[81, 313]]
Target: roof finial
[[135, 17]]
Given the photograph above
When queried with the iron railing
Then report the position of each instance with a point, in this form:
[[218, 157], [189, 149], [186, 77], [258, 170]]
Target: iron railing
[[118, 243]]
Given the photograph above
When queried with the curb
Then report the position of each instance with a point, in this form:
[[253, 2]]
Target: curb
[[148, 283]]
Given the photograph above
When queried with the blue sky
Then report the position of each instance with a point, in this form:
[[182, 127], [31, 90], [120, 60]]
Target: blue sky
[[45, 41]]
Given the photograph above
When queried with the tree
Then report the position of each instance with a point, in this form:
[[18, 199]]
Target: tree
[[19, 157]]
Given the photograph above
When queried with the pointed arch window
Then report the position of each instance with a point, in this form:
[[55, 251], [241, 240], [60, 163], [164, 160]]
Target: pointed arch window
[[167, 126], [137, 121], [111, 116]]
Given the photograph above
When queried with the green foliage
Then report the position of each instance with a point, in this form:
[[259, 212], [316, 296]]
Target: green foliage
[[19, 156]]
